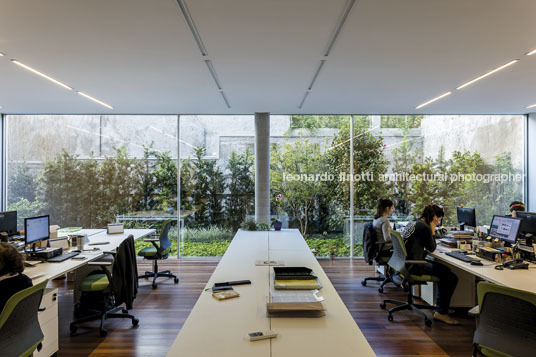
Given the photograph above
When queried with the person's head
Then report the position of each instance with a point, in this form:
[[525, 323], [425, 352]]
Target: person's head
[[11, 261], [432, 214], [384, 206], [517, 206]]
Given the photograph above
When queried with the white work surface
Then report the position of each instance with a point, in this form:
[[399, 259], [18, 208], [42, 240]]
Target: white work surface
[[522, 279], [50, 271], [219, 328]]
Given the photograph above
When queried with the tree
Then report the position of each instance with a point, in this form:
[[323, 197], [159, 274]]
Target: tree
[[369, 163], [22, 184], [241, 186], [300, 197], [318, 121]]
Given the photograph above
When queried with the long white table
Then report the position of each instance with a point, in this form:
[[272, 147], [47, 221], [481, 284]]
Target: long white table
[[50, 271], [220, 327], [522, 279]]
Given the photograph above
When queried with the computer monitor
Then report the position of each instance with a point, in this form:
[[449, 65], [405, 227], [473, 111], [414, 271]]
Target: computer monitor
[[528, 222], [36, 229], [466, 217], [8, 222], [505, 228]]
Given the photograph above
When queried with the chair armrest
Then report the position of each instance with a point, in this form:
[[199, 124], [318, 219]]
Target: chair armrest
[[99, 263], [416, 262], [152, 240]]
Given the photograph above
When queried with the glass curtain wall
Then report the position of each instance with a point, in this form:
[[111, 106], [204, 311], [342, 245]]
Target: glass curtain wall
[[91, 170], [217, 180]]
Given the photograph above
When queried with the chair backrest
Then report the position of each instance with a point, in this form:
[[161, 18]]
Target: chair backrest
[[20, 332], [165, 243], [398, 259], [507, 320], [370, 247]]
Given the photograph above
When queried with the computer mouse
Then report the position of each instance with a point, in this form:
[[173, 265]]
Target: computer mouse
[[478, 262]]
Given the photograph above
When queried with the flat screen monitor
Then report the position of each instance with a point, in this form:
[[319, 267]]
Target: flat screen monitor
[[36, 229], [466, 216], [8, 222], [528, 222], [505, 228]]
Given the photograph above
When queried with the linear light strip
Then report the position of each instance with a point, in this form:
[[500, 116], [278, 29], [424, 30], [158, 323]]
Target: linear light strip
[[338, 29], [225, 99], [41, 74], [94, 99], [316, 74], [190, 22], [1, 54], [488, 74], [531, 53], [433, 100], [303, 100], [531, 106], [213, 74]]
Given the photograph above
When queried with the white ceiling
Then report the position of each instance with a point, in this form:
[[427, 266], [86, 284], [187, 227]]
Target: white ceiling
[[392, 55]]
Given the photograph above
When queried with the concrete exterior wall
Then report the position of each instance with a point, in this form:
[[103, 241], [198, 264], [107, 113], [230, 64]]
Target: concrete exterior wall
[[490, 135]]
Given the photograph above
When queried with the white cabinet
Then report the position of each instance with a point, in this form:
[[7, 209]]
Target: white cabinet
[[48, 320]]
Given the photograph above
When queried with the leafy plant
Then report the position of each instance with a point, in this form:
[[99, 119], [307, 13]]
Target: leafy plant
[[263, 226], [249, 225], [240, 199]]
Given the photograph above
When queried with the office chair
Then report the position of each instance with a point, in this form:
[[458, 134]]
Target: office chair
[[157, 252], [105, 291], [380, 257], [402, 266], [506, 325], [20, 333]]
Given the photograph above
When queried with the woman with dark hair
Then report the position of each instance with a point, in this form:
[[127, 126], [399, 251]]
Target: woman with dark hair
[[516, 206], [11, 278], [381, 223], [419, 238]]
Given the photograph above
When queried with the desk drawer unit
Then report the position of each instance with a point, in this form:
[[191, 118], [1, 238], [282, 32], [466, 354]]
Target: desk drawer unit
[[48, 320]]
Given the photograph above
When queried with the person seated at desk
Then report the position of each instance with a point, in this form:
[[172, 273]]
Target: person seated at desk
[[419, 239], [381, 223], [516, 206], [11, 278]]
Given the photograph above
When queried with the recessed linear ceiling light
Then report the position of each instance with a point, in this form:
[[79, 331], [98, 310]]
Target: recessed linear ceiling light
[[488, 74], [433, 100], [95, 100], [1, 54], [531, 53], [41, 74], [530, 106]]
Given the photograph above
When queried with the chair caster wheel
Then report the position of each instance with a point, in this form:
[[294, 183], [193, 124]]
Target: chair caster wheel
[[383, 305], [390, 317], [380, 290], [135, 322], [364, 282], [73, 329], [154, 285], [176, 280], [103, 333], [428, 323]]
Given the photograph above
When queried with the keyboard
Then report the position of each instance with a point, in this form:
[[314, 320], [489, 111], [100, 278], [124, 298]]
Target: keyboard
[[64, 256], [462, 256]]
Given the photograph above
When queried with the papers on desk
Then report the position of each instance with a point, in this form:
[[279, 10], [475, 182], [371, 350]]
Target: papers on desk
[[295, 296], [269, 263], [312, 284]]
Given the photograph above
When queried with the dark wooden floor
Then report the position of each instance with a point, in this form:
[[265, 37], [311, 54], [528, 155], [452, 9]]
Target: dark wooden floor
[[163, 311]]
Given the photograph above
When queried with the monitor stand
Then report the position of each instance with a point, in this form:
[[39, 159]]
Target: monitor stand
[[34, 249]]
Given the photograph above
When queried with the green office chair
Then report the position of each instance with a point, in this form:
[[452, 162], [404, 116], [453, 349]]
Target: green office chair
[[402, 266], [103, 290], [157, 252], [20, 333], [506, 323]]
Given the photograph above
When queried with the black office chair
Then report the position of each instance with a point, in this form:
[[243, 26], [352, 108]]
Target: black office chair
[[157, 252], [105, 293], [506, 322], [374, 253], [402, 266], [20, 332]]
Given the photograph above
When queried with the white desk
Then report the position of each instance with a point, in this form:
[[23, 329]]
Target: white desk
[[53, 270], [522, 279], [220, 327]]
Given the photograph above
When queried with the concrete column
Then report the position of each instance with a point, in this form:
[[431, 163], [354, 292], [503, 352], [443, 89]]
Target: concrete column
[[262, 167], [530, 163]]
